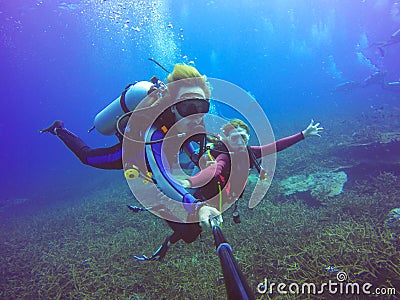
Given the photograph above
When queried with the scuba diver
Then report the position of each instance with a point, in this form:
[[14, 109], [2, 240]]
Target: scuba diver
[[212, 179], [392, 86], [378, 77], [181, 106], [236, 135], [346, 86], [394, 39]]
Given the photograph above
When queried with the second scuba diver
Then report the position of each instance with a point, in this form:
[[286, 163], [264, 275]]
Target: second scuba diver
[[237, 135]]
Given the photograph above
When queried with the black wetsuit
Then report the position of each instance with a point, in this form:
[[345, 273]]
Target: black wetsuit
[[103, 158]]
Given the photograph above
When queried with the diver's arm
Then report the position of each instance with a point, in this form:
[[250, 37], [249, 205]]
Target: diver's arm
[[207, 174], [277, 146], [311, 130]]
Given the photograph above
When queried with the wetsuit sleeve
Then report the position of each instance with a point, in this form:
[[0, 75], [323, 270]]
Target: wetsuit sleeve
[[103, 158], [212, 171], [277, 146]]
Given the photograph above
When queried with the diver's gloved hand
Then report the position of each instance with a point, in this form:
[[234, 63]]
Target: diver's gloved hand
[[185, 183], [52, 128], [206, 213], [158, 255], [312, 130]]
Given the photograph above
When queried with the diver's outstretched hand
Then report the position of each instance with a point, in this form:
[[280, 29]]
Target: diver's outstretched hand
[[158, 255], [312, 130]]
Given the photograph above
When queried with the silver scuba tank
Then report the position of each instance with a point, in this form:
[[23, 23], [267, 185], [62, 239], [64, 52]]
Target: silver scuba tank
[[106, 121]]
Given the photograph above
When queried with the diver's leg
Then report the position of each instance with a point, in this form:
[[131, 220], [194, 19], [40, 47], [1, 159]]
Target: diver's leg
[[53, 127], [187, 232], [160, 252], [74, 143], [182, 231], [102, 158]]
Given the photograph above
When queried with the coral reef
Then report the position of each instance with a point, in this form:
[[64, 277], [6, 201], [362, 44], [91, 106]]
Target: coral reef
[[392, 222], [320, 184]]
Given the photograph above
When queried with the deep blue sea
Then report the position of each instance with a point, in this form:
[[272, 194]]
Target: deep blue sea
[[67, 60]]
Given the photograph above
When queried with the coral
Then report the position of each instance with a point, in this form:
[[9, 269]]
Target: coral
[[320, 184], [388, 137], [392, 221]]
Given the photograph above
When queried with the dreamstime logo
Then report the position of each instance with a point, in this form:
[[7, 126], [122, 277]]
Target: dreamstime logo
[[341, 276], [142, 141], [334, 288]]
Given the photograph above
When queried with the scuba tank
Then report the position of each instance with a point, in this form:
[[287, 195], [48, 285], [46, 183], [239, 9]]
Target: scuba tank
[[106, 121]]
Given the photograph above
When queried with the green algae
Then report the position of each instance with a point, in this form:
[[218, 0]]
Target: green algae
[[85, 251]]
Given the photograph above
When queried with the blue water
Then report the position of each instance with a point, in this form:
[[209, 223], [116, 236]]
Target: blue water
[[68, 60]]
